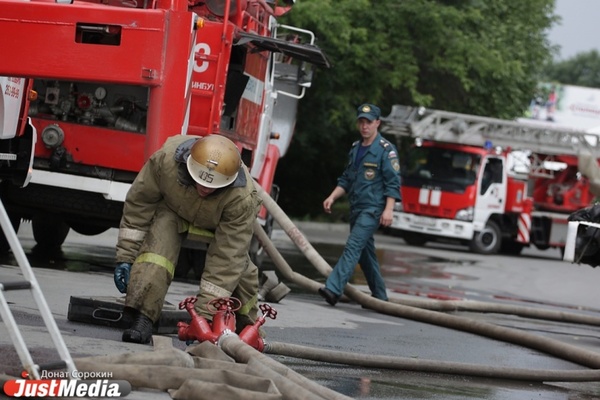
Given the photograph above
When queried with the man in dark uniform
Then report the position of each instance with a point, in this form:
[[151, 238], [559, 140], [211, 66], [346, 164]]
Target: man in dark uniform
[[372, 181]]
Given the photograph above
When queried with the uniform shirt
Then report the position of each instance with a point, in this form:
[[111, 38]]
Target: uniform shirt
[[369, 181]]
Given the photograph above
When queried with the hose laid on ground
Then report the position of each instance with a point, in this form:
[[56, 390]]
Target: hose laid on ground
[[480, 306], [431, 366], [179, 372], [547, 345], [241, 352], [324, 268]]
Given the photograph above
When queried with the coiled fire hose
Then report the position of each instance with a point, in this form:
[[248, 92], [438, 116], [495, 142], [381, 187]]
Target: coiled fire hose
[[547, 345]]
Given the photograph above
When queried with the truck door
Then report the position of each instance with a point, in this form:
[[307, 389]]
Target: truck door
[[492, 190]]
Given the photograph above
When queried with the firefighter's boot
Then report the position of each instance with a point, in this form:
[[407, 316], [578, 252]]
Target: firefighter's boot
[[140, 330]]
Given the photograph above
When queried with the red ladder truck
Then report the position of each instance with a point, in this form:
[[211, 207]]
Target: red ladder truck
[[492, 184], [115, 78]]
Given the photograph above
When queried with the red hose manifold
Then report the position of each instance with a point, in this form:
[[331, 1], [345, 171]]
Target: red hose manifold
[[251, 335], [223, 309]]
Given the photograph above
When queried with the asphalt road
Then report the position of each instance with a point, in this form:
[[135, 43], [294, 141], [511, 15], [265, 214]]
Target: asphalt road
[[435, 272]]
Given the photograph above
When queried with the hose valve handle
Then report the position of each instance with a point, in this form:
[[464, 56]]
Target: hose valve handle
[[188, 303], [268, 311]]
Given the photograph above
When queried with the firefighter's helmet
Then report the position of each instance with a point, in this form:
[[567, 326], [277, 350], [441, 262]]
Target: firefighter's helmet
[[214, 161]]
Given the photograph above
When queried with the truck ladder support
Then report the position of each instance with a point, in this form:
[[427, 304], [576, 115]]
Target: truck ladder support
[[30, 283], [474, 130]]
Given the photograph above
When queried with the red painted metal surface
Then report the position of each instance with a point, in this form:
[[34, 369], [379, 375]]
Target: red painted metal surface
[[93, 145]]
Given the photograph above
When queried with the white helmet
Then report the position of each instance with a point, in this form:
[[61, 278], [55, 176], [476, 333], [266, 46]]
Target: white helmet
[[214, 161]]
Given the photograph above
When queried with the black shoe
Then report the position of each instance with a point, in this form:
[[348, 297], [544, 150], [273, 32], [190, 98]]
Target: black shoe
[[140, 330], [329, 296]]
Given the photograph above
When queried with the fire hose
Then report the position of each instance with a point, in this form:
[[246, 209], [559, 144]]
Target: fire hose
[[234, 370], [550, 346]]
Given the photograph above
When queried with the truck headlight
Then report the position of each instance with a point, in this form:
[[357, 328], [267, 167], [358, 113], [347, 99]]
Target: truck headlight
[[466, 214]]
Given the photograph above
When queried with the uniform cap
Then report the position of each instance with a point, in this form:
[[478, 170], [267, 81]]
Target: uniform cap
[[368, 111]]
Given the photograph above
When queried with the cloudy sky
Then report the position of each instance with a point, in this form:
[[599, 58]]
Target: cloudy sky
[[579, 29]]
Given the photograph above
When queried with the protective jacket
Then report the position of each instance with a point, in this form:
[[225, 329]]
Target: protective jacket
[[162, 207]]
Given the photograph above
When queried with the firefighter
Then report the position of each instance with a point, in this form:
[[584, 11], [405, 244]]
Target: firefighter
[[372, 181], [193, 187], [587, 241]]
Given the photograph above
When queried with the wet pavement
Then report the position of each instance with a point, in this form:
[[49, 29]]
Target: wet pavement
[[436, 272]]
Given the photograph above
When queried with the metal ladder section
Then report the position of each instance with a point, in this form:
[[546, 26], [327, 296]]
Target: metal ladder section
[[30, 283], [474, 130]]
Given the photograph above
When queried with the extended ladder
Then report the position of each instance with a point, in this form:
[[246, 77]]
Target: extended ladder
[[474, 130], [30, 283]]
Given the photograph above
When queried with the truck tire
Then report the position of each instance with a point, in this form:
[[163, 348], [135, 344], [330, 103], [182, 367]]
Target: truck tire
[[15, 220], [77, 207], [510, 247], [49, 230], [414, 238], [488, 240], [87, 229]]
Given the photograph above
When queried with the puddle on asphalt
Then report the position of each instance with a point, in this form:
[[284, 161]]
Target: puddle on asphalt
[[407, 273]]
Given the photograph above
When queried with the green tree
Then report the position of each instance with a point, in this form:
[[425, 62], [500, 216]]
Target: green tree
[[581, 70], [473, 56]]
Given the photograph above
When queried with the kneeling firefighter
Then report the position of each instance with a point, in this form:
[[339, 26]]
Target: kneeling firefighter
[[193, 186]]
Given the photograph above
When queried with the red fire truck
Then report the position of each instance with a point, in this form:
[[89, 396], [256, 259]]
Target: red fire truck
[[494, 185], [115, 78]]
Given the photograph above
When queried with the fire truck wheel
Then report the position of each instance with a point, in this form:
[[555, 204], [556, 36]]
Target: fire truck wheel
[[49, 230], [414, 239], [488, 240], [511, 247], [15, 220], [87, 229]]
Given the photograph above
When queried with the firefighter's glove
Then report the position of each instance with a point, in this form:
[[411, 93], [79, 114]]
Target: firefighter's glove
[[122, 276]]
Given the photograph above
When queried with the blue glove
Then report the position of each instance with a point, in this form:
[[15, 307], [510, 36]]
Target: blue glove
[[122, 276]]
